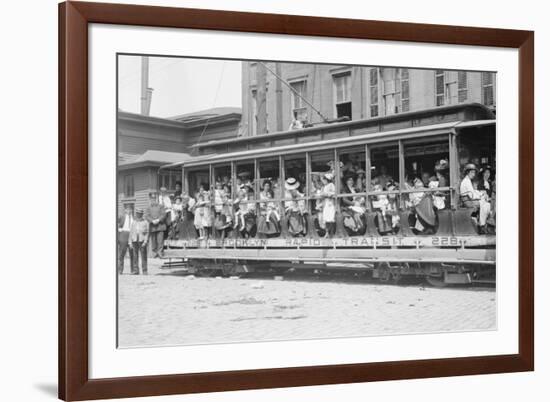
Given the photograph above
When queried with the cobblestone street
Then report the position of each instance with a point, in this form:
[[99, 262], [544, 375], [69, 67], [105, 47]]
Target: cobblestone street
[[165, 308]]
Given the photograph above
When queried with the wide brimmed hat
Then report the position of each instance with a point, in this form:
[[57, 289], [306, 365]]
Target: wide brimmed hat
[[139, 211], [291, 183], [360, 171], [244, 174], [470, 166], [442, 164], [163, 189]]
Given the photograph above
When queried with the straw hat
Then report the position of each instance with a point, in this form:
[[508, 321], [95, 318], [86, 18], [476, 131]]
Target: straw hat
[[291, 183], [442, 164]]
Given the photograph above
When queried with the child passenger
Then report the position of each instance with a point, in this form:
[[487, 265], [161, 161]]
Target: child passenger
[[241, 202]]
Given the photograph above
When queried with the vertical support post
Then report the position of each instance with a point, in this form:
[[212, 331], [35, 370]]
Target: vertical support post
[[368, 177], [211, 176], [257, 186], [308, 182], [401, 173], [184, 181], [284, 222], [279, 98], [212, 198], [261, 98], [233, 181], [454, 168], [337, 178], [282, 178]]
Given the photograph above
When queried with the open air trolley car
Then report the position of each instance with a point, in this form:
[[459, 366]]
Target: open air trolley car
[[398, 146]]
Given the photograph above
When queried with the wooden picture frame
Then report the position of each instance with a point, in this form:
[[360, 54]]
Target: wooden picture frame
[[74, 381]]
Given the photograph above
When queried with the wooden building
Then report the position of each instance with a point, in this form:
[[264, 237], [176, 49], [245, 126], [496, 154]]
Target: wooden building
[[146, 142]]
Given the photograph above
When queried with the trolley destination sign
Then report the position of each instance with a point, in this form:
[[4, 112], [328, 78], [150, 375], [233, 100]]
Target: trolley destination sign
[[355, 241]]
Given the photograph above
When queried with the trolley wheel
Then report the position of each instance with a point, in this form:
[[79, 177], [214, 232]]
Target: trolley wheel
[[389, 275], [436, 281]]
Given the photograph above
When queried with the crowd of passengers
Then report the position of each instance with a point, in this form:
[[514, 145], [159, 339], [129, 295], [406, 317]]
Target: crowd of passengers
[[196, 216]]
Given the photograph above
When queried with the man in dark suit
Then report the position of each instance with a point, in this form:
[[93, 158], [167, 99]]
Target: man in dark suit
[[156, 216], [124, 225]]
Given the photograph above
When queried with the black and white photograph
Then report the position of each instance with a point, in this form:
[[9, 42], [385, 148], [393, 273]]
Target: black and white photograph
[[272, 200]]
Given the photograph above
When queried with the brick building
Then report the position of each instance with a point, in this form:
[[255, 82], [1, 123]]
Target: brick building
[[355, 92]]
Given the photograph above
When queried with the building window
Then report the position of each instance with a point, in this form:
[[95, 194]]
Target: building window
[[405, 95], [342, 92], [439, 87], [254, 112], [129, 185], [488, 88], [168, 179], [462, 86], [253, 72], [297, 104], [373, 89]]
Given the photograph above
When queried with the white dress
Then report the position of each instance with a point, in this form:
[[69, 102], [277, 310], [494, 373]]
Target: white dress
[[329, 209]]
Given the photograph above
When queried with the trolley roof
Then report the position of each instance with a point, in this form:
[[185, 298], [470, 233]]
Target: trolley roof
[[344, 142]]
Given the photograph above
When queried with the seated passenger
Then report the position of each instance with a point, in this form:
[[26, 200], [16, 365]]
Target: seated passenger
[[473, 198], [294, 208], [387, 220], [441, 171], [185, 227], [487, 186], [422, 219], [392, 208], [438, 196], [328, 205], [360, 181], [224, 211], [269, 219], [250, 216], [242, 207], [353, 209], [202, 213]]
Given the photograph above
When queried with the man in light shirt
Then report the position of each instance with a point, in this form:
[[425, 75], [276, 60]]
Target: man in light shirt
[[124, 226], [139, 235], [473, 198]]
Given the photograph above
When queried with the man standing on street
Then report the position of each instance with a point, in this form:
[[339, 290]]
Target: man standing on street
[[124, 225], [156, 216], [139, 235]]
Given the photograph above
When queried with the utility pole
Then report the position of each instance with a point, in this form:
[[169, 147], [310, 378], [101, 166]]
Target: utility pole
[[279, 98], [261, 109], [146, 92]]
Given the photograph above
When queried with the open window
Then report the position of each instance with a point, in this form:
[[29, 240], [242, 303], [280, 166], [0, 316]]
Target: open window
[[384, 198], [295, 168], [352, 162], [342, 94], [322, 182], [269, 175], [197, 179], [426, 163]]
